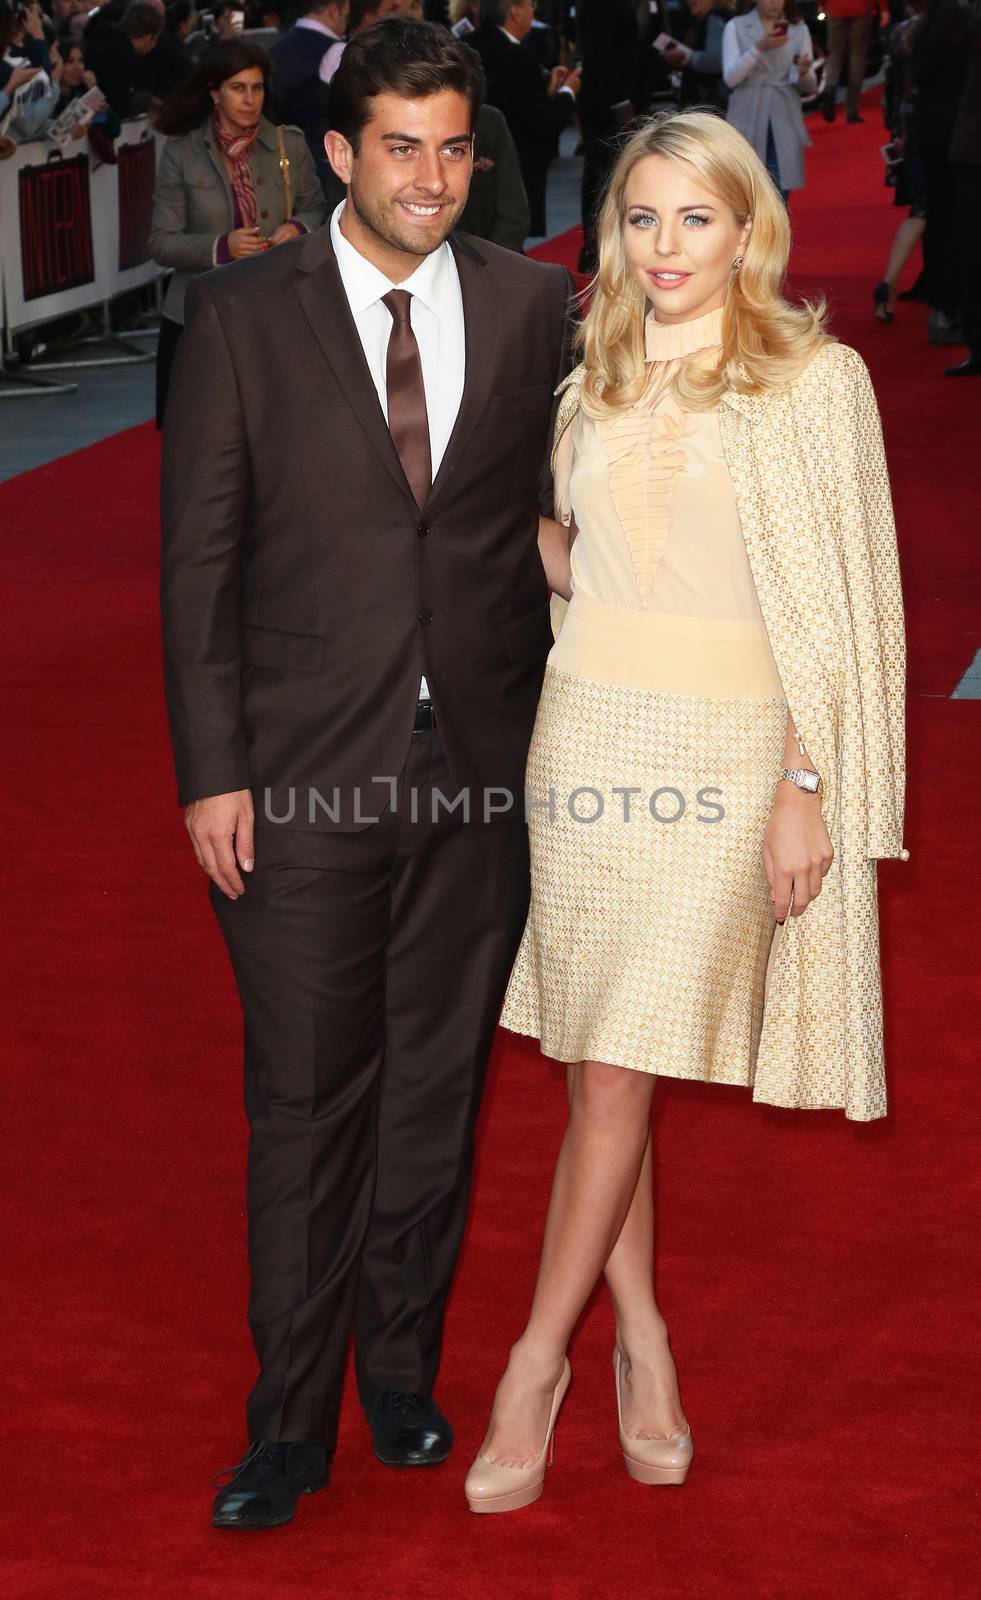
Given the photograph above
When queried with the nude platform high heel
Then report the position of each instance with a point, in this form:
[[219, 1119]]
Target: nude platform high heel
[[653, 1460], [493, 1488]]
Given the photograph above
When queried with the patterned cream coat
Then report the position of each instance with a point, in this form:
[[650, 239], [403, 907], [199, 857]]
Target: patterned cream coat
[[809, 474]]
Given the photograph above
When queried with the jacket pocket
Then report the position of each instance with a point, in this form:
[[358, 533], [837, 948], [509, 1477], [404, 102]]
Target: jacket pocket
[[522, 399], [284, 652], [529, 636]]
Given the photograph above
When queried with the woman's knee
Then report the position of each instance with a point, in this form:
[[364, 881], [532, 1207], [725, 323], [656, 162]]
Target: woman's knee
[[601, 1092]]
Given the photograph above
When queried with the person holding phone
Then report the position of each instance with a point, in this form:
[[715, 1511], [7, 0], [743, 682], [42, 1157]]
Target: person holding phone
[[768, 63]]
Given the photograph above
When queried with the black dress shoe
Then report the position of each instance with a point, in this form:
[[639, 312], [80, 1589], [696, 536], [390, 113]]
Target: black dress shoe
[[407, 1430], [964, 369], [266, 1483]]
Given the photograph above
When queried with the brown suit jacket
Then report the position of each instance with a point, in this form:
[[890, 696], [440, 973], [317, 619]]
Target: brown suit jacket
[[303, 592]]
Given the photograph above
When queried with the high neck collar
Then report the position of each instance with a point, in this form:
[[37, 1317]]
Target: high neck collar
[[668, 340]]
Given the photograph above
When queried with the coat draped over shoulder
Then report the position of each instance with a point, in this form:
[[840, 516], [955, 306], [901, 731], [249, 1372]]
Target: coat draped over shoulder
[[809, 475]]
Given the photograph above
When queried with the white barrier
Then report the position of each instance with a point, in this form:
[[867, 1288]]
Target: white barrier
[[73, 230]]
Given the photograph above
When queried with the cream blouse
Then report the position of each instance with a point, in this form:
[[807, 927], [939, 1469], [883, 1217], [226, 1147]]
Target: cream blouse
[[662, 593]]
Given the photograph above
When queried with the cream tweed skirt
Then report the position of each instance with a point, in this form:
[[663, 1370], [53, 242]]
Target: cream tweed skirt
[[650, 925]]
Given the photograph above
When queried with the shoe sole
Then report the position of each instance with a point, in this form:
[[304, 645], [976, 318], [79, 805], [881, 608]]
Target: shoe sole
[[642, 1473], [239, 1525], [424, 1461], [507, 1502]]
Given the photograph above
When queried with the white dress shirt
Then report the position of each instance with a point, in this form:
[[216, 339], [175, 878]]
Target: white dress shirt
[[331, 58], [436, 316]]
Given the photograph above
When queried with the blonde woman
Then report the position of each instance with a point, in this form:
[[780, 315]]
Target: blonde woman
[[718, 756]]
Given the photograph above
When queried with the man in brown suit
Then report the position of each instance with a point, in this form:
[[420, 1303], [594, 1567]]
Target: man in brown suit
[[356, 624]]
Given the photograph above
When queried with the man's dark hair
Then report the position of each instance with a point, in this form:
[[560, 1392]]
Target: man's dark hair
[[140, 20], [401, 56], [495, 12], [359, 9]]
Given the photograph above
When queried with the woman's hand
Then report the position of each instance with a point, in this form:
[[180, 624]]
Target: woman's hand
[[804, 64], [31, 19], [772, 41], [797, 850], [246, 242], [285, 232]]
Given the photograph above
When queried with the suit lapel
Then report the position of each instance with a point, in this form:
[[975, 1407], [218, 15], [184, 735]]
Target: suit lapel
[[481, 292], [321, 294]]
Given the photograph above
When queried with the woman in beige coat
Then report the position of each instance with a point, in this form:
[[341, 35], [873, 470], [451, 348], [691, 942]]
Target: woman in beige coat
[[717, 762], [230, 183]]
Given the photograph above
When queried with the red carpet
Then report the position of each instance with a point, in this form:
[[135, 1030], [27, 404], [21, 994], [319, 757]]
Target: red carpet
[[817, 1275]]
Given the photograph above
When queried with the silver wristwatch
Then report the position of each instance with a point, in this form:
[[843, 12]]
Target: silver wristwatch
[[804, 779]]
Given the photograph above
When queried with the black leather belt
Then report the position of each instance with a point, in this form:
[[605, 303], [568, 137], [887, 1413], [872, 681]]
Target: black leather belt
[[425, 717]]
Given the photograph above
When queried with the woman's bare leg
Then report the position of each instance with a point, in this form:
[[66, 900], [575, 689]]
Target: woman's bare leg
[[595, 1179], [649, 1382], [908, 234]]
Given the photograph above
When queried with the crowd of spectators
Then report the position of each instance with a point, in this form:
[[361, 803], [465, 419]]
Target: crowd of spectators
[[593, 65]]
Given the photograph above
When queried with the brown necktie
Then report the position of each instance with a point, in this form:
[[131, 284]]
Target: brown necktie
[[408, 420]]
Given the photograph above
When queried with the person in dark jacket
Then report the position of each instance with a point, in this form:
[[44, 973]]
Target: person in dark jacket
[[699, 55], [115, 54], [609, 39], [938, 70], [497, 206], [965, 157], [536, 106], [304, 59]]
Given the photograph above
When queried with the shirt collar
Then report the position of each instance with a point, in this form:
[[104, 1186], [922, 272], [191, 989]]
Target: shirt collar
[[510, 36], [364, 284], [318, 27]]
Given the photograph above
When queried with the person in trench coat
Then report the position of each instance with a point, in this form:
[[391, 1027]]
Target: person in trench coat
[[768, 63]]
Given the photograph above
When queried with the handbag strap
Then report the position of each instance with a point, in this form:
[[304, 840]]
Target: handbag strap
[[284, 167]]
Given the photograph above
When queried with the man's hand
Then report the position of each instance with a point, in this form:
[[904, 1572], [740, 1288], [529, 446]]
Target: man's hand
[[564, 78], [221, 831]]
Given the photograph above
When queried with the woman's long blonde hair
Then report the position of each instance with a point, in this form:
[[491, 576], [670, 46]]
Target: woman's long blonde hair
[[765, 340]]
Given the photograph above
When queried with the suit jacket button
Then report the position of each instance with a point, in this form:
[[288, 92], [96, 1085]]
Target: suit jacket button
[[423, 530], [263, 213], [425, 617]]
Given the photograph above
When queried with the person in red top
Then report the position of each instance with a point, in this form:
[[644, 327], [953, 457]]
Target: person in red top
[[849, 32]]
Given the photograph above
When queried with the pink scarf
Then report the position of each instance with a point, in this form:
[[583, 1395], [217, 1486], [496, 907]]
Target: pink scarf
[[237, 147]]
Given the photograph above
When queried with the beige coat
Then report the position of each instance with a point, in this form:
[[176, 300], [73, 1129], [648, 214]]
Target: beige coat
[[809, 475], [193, 203]]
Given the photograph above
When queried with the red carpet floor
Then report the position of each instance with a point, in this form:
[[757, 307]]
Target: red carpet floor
[[818, 1276]]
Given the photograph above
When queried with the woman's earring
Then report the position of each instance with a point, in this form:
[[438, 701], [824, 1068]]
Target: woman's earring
[[737, 263]]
